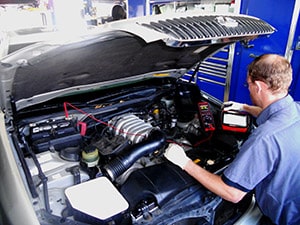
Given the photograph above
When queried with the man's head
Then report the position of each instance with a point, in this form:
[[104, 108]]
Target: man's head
[[272, 69], [269, 78]]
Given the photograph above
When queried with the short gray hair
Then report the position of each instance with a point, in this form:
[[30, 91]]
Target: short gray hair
[[272, 69]]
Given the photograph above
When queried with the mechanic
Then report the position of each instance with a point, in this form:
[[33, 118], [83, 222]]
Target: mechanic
[[268, 161]]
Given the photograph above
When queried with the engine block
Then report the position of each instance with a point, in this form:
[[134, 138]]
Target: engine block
[[131, 127]]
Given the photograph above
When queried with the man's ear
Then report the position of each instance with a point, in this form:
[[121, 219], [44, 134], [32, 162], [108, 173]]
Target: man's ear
[[257, 86], [260, 85]]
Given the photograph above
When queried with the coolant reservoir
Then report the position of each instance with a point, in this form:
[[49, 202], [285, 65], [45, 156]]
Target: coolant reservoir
[[90, 156]]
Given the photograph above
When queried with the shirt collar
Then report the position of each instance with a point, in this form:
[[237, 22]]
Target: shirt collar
[[273, 108]]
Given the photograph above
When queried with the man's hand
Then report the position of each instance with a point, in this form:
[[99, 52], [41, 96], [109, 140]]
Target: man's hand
[[227, 106], [176, 155]]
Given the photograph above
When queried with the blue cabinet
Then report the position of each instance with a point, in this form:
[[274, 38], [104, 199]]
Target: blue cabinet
[[280, 15], [295, 87]]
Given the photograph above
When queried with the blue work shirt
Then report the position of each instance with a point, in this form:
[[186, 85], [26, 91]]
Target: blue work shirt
[[269, 162]]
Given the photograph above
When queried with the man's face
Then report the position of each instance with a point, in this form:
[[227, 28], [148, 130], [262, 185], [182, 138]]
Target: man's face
[[251, 87]]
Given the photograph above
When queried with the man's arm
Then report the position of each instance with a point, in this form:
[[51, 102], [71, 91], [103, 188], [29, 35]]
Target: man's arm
[[253, 110], [212, 182], [235, 106]]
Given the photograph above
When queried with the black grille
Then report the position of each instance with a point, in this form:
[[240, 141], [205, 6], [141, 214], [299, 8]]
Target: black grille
[[208, 27]]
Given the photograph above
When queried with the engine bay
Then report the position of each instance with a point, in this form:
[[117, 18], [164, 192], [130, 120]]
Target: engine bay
[[120, 134]]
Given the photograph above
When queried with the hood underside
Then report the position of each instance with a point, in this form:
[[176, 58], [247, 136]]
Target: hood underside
[[122, 50]]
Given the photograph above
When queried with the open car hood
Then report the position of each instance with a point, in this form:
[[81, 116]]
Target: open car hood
[[120, 51]]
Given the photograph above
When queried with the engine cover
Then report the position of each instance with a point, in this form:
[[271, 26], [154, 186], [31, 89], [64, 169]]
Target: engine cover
[[165, 194], [161, 181]]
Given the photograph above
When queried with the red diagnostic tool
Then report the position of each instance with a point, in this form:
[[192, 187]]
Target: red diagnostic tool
[[235, 121], [206, 117]]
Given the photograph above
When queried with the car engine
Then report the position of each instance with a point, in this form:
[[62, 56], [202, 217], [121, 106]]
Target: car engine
[[88, 147]]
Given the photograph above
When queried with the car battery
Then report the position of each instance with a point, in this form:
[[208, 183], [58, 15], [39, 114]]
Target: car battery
[[54, 135]]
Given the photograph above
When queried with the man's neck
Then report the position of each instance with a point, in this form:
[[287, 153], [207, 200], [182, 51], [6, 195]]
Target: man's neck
[[271, 98]]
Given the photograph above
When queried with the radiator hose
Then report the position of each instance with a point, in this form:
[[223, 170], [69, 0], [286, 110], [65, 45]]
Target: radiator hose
[[155, 141]]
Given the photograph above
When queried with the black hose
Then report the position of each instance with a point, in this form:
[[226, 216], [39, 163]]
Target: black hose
[[26, 170], [120, 164], [41, 174]]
